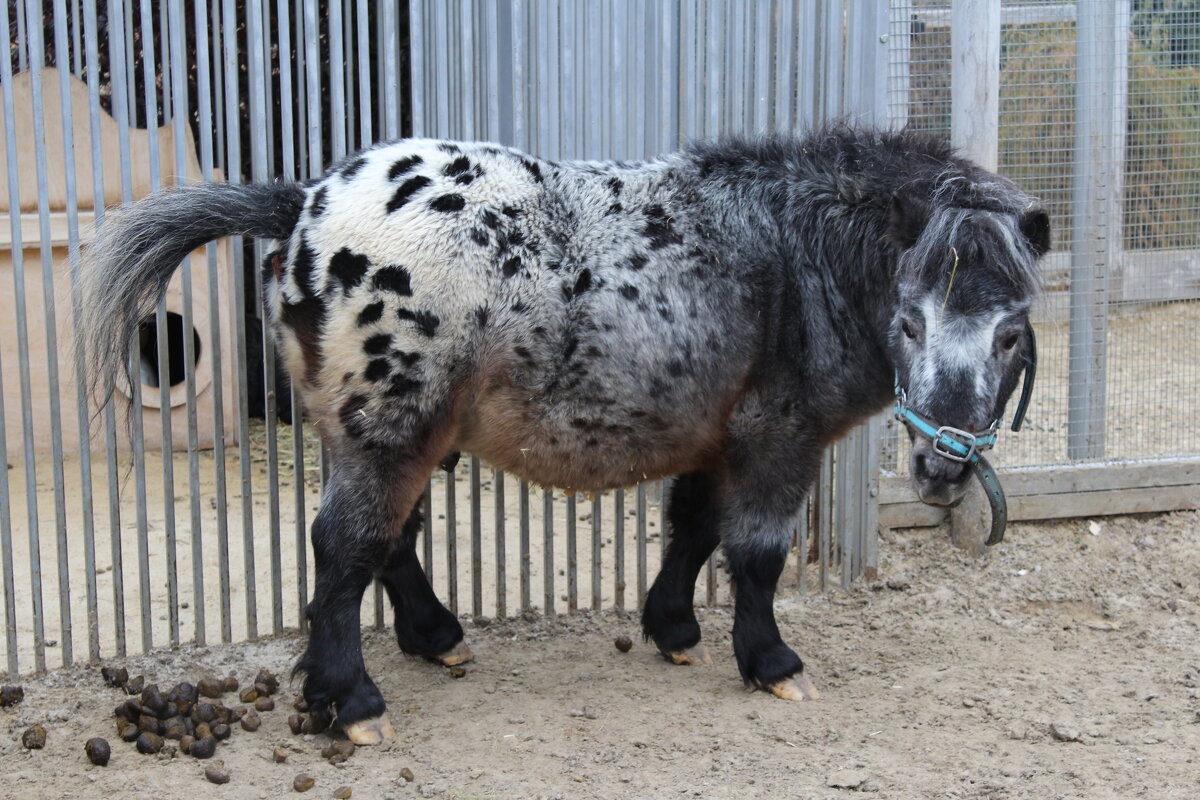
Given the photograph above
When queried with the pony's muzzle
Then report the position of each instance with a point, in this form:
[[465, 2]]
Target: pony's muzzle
[[939, 481]]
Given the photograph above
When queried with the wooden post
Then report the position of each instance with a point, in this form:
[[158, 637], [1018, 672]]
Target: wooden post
[[975, 79]]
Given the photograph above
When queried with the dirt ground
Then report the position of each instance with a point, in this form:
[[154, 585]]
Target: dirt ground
[[1066, 663]]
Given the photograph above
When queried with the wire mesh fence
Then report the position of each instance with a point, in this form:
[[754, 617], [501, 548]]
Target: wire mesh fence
[[191, 524]]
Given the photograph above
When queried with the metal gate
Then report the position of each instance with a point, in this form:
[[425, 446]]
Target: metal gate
[[192, 526]]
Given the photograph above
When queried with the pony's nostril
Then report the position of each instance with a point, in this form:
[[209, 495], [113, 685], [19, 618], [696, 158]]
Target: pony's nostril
[[920, 465]]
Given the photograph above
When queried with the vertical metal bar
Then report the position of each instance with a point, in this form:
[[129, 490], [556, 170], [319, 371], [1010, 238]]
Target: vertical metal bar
[[501, 550], [476, 540], [1099, 119], [234, 161], [81, 395], [122, 65], [466, 72], [14, 213], [572, 557], [337, 83], [899, 55], [258, 63], [389, 80], [162, 330], [206, 105], [287, 128], [597, 544], [36, 60], [348, 31], [18, 266], [619, 550], [523, 522], [178, 90], [312, 63], [110, 421], [419, 69], [76, 40], [803, 528], [825, 518], [82, 417], [451, 543], [362, 20], [427, 539], [641, 544], [548, 552]]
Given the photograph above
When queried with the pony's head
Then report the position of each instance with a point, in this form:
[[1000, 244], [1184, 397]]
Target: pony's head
[[960, 338]]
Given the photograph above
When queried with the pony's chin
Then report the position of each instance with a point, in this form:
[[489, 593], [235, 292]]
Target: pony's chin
[[933, 493]]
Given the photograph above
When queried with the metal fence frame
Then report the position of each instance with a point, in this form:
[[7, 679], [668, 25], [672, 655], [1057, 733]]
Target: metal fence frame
[[560, 78]]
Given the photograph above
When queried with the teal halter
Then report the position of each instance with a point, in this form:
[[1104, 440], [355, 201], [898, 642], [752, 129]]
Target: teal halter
[[967, 447]]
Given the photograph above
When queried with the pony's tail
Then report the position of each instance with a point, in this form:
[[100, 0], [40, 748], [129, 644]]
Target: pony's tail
[[138, 247]]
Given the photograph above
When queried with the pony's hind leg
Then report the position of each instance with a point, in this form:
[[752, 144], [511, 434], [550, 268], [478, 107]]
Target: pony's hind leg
[[424, 627], [668, 616], [371, 490]]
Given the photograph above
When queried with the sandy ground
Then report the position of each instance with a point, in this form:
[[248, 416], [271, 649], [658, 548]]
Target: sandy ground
[[1066, 663]]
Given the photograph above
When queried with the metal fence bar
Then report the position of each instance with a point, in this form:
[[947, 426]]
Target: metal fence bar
[[501, 554]]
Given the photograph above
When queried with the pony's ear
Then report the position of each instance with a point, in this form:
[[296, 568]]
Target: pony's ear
[[1035, 226], [907, 218]]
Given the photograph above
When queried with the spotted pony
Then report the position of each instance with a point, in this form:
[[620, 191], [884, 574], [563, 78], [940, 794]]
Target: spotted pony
[[722, 314]]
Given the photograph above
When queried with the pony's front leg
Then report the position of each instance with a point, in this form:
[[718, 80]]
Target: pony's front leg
[[762, 499], [368, 496]]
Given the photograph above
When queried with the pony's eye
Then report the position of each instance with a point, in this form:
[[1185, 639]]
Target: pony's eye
[[1010, 341], [907, 329]]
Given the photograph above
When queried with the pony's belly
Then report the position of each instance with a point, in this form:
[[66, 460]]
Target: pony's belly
[[567, 449]]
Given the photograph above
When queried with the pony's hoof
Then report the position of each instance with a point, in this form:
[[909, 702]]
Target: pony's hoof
[[370, 731], [696, 656], [459, 654], [797, 687]]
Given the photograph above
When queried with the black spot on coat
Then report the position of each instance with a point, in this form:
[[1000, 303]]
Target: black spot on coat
[[302, 268], [393, 279], [401, 385], [317, 207], [426, 321], [583, 282], [448, 203], [636, 261], [352, 169], [349, 268], [511, 267], [659, 229], [457, 167], [378, 370], [406, 191], [629, 292], [403, 167], [534, 170], [480, 237], [378, 344], [371, 313]]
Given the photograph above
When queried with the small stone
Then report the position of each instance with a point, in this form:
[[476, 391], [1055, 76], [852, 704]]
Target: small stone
[[216, 773], [264, 704], [300, 704], [202, 731], [407, 774], [221, 731], [263, 690], [897, 584], [205, 712], [34, 737], [623, 643], [338, 747], [230, 684], [127, 731], [251, 722], [203, 748], [268, 679], [183, 692], [296, 724], [153, 700], [211, 687], [302, 782], [846, 779], [11, 695], [149, 743], [338, 760], [1064, 732], [315, 723], [131, 709], [343, 793], [114, 676], [98, 751], [457, 672], [174, 728], [279, 755], [135, 685], [248, 695], [148, 723], [185, 742]]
